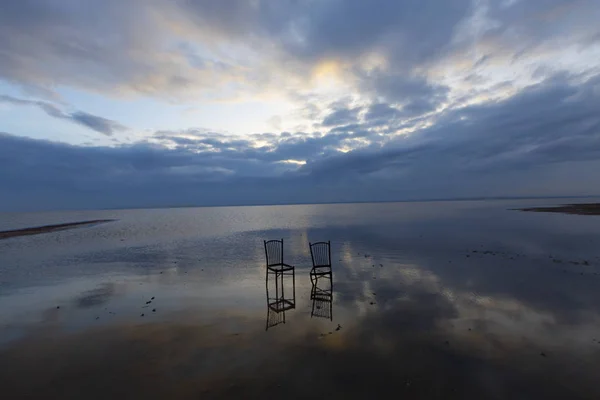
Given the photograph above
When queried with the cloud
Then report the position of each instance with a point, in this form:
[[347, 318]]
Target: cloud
[[189, 50], [409, 98], [102, 125], [98, 124], [112, 47], [524, 130], [341, 116], [517, 146]]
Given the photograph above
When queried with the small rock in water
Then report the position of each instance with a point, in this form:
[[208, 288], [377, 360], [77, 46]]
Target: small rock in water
[[338, 327], [543, 354], [381, 265], [154, 310], [447, 342], [149, 301], [57, 307], [142, 315], [371, 303]]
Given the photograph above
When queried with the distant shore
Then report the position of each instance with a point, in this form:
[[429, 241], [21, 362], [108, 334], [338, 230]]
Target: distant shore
[[578, 209], [48, 228]]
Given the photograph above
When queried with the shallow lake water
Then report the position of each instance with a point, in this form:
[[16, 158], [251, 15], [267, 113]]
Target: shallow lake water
[[461, 299]]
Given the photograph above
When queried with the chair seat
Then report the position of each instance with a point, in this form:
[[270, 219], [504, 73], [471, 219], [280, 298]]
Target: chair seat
[[323, 270], [281, 267]]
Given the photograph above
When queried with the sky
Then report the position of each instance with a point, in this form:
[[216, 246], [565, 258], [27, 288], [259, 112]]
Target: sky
[[158, 103]]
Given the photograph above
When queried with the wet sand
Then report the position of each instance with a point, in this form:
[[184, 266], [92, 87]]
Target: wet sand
[[577, 209], [450, 305], [48, 228]]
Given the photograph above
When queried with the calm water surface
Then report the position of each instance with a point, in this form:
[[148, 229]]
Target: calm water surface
[[440, 300]]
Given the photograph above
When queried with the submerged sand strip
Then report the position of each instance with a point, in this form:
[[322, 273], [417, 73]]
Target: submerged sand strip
[[579, 209], [49, 228]]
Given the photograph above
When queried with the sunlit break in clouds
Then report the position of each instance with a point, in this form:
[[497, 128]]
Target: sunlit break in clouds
[[140, 103]]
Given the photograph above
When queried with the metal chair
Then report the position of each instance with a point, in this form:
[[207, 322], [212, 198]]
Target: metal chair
[[320, 253], [274, 254], [279, 304]]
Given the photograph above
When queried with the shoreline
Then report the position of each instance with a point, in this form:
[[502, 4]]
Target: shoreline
[[574, 209], [49, 228]]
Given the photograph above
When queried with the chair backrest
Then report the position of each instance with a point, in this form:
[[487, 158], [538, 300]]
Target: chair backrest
[[274, 252], [321, 254]]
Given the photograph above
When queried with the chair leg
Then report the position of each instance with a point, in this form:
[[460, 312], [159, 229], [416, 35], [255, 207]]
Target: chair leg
[[294, 286]]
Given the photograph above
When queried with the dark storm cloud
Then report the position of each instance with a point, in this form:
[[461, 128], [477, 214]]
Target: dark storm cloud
[[99, 124], [551, 126]]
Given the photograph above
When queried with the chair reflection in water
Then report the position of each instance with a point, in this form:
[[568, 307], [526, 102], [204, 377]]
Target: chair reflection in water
[[277, 301], [321, 278]]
